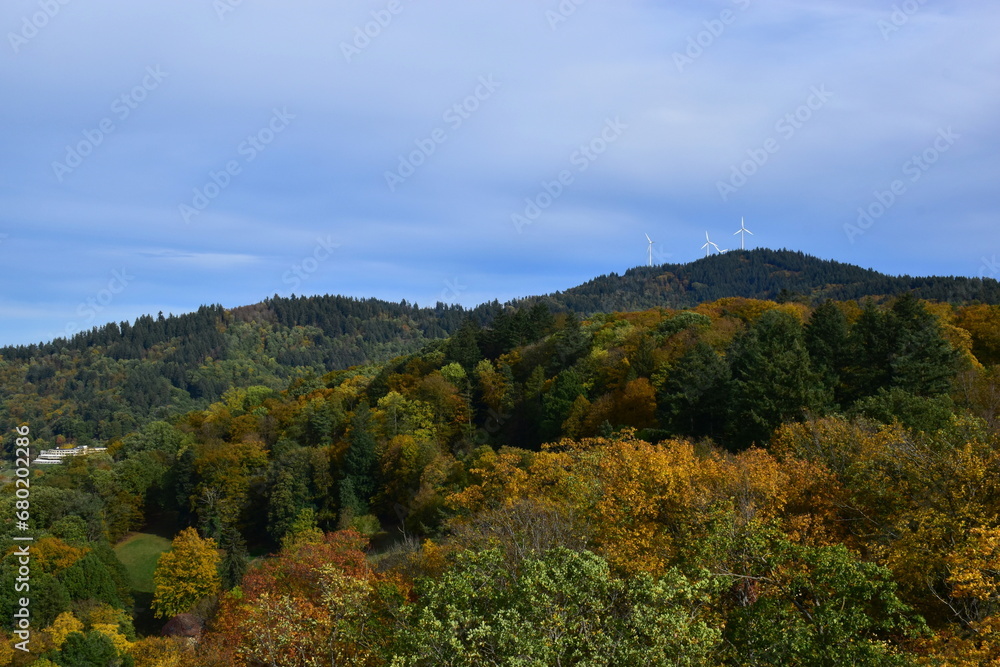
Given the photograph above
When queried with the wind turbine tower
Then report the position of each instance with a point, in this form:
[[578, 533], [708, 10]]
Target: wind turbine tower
[[743, 234], [651, 242], [709, 245]]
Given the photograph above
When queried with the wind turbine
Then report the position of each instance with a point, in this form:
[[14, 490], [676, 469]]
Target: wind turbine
[[651, 242], [709, 245], [743, 232]]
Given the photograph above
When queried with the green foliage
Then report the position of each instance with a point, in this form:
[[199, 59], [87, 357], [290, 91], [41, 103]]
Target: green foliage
[[463, 348], [558, 401], [900, 347], [773, 380], [360, 465], [818, 606], [563, 608], [93, 649], [281, 450], [826, 339], [684, 320], [694, 396], [917, 412], [91, 579]]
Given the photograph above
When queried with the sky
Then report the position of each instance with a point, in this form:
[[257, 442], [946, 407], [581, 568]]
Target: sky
[[160, 156]]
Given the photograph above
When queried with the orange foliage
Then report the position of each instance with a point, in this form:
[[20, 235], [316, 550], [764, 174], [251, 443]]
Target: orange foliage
[[51, 555]]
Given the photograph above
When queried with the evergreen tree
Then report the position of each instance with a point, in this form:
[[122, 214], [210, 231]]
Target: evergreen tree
[[93, 649], [464, 346], [570, 343], [773, 382], [923, 362], [827, 342], [557, 402], [871, 342], [235, 559], [357, 486], [694, 396]]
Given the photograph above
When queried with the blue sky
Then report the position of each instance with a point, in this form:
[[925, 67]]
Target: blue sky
[[158, 156]]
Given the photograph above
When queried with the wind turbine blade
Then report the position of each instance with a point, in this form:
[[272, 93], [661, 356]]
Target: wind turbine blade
[[748, 232], [739, 232], [649, 239]]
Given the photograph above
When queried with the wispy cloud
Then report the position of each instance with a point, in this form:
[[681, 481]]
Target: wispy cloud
[[203, 260], [354, 118]]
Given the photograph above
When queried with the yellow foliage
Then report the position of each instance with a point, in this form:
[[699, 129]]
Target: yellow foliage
[[955, 647], [799, 311], [975, 568], [111, 631], [52, 555], [186, 574], [62, 627], [747, 310], [6, 649], [156, 652]]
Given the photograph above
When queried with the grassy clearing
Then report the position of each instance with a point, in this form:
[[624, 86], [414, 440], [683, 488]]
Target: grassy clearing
[[139, 553]]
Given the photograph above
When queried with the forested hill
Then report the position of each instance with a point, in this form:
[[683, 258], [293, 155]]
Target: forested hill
[[106, 382], [760, 274], [369, 330]]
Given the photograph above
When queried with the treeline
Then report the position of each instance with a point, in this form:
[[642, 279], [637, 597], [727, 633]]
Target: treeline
[[761, 274], [111, 380], [745, 482]]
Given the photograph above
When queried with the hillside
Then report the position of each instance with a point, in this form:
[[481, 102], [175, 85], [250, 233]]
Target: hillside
[[712, 471], [760, 274], [106, 382]]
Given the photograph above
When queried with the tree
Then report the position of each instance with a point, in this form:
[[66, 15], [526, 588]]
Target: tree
[[817, 606], [93, 649], [570, 343], [357, 486], [923, 362], [236, 558], [773, 381], [560, 608], [463, 347], [185, 575], [902, 347], [871, 342], [694, 394], [826, 340], [557, 402]]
